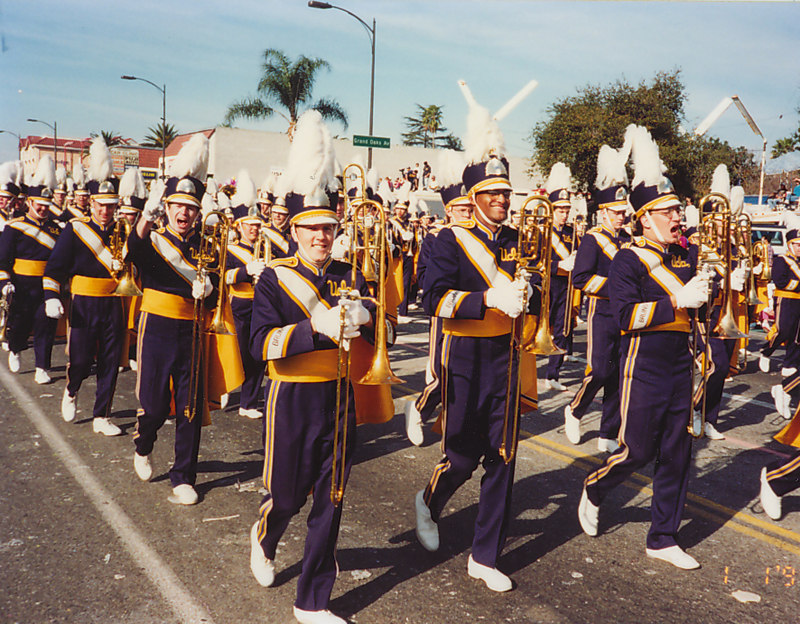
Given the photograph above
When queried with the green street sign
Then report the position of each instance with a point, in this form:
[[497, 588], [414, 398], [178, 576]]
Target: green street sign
[[371, 141]]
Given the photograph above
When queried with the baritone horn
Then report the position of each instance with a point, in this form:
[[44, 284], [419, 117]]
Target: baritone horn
[[580, 222], [746, 251], [126, 286], [374, 243], [213, 250]]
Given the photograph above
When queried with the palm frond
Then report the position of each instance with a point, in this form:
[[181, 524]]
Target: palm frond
[[331, 111], [248, 108]]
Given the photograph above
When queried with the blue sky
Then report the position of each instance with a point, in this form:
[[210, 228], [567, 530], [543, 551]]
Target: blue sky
[[63, 60]]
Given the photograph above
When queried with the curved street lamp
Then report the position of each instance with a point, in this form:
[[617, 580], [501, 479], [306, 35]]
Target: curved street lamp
[[163, 119], [19, 141], [371, 33], [54, 126]]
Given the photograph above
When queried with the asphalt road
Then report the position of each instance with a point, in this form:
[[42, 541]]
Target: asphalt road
[[82, 540]]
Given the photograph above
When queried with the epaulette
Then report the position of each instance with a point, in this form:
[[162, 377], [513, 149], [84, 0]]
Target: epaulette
[[287, 262], [594, 230], [627, 245], [467, 225], [16, 219], [638, 241], [84, 219]]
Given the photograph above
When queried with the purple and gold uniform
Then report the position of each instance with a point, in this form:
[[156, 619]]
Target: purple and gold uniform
[[786, 277], [25, 246], [403, 236], [561, 246], [282, 245], [655, 380], [592, 265], [83, 259]]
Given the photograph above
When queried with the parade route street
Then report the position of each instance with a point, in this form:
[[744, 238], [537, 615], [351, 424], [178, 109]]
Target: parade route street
[[83, 540]]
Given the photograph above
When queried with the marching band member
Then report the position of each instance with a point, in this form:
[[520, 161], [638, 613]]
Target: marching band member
[[558, 190], [300, 311], [719, 349], [592, 264], [780, 477], [470, 284], [80, 191], [82, 257], [242, 272], [458, 209], [651, 286], [59, 194], [9, 190], [166, 260], [403, 235], [25, 246]]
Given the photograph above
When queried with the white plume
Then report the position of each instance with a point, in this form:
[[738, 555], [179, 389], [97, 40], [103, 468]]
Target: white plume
[[611, 167], [423, 206], [403, 192], [386, 193], [223, 201], [192, 160], [451, 167], [721, 181], [692, 216], [245, 190], [560, 178], [791, 220], [61, 176], [20, 172], [79, 175], [70, 185], [207, 204], [132, 184], [211, 186], [101, 165], [45, 173], [311, 158], [372, 179], [737, 199], [647, 164], [268, 185], [483, 137], [8, 172], [157, 188]]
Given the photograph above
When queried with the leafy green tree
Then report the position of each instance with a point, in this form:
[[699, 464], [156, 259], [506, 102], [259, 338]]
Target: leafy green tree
[[160, 135], [288, 85], [579, 125], [426, 129], [785, 145]]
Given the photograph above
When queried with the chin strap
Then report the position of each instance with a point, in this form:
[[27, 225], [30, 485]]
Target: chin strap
[[483, 214], [655, 229]]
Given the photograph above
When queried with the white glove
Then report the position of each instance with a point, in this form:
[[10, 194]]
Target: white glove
[[341, 247], [53, 308], [355, 315], [329, 324], [759, 269], [8, 289], [568, 264], [255, 267], [152, 211], [694, 293], [737, 279], [201, 290], [116, 265], [508, 298], [407, 236]]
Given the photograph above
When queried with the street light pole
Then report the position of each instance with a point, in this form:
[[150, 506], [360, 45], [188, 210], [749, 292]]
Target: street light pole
[[19, 141], [371, 33], [54, 126], [163, 119]]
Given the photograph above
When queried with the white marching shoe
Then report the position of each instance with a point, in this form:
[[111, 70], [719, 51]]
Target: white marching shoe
[[41, 377], [69, 406], [782, 400], [263, 569], [253, 414], [141, 464], [494, 578], [223, 401], [770, 501], [712, 433], [607, 444], [588, 515], [106, 427], [317, 617], [413, 423], [572, 426], [184, 494], [555, 384], [427, 529], [763, 363], [788, 372], [13, 362], [674, 555]]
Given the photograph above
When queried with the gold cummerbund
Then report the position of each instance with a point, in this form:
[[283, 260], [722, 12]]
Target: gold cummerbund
[[788, 294], [682, 323], [92, 286], [167, 304], [31, 268], [493, 323], [596, 296], [243, 290], [311, 367]]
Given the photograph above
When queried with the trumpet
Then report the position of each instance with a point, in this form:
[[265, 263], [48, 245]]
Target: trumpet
[[127, 286], [580, 222], [213, 249], [715, 253], [534, 233]]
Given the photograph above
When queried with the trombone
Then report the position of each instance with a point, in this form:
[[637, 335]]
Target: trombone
[[262, 249], [5, 308], [126, 286], [534, 235], [379, 373], [580, 222], [715, 254], [213, 249]]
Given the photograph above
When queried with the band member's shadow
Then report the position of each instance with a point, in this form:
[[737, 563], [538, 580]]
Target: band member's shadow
[[232, 472], [735, 414], [377, 440]]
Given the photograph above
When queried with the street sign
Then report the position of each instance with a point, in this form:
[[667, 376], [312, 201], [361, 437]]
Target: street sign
[[371, 141]]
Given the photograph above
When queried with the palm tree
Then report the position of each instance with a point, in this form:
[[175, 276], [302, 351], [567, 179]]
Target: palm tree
[[109, 136], [160, 135], [426, 128], [784, 146], [289, 85]]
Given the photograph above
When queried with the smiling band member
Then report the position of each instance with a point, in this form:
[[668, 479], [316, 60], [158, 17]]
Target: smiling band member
[[652, 285], [301, 309], [96, 322], [470, 284]]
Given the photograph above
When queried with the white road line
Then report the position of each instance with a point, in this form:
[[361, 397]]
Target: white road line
[[185, 606]]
